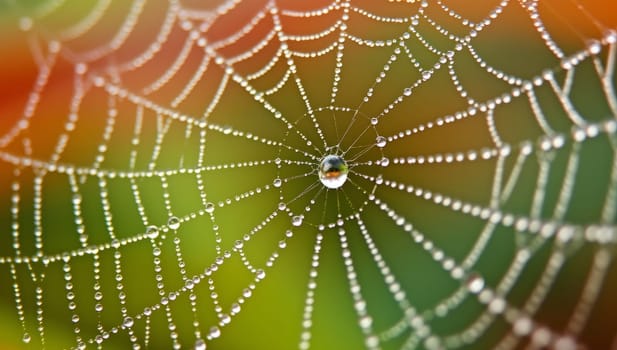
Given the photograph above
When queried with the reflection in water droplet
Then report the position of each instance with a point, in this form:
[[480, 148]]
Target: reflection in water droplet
[[215, 332], [173, 223], [333, 171], [235, 308], [128, 322], [296, 220], [239, 244], [200, 344], [152, 232]]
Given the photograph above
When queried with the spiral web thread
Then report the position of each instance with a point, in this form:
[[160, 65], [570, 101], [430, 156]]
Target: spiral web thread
[[302, 146]]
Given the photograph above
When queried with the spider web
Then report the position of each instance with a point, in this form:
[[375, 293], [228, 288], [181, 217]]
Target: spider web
[[160, 187]]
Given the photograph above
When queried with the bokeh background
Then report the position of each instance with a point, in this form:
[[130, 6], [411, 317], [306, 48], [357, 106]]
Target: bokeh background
[[272, 317]]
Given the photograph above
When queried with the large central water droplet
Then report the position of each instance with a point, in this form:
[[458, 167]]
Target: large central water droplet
[[333, 171]]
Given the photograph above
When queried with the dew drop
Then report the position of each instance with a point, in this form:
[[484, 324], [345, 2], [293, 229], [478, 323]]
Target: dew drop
[[128, 322], [380, 141], [260, 274], [200, 344], [225, 319], [215, 332], [76, 199], [209, 207], [277, 182], [366, 321], [173, 223], [384, 162], [26, 338], [297, 220], [407, 92], [333, 171], [522, 326], [239, 244], [282, 206], [152, 232], [475, 283], [374, 121]]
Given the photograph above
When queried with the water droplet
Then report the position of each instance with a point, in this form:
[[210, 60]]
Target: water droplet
[[296, 220], [594, 47], [128, 322], [200, 344], [380, 141], [239, 244], [215, 332], [282, 206], [282, 244], [277, 182], [374, 121], [173, 223], [426, 74], [384, 162], [260, 274], [333, 171], [75, 318], [227, 130], [152, 232], [475, 283], [379, 180], [235, 308], [247, 293], [366, 321], [522, 326], [209, 207], [76, 199], [407, 92], [26, 338]]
